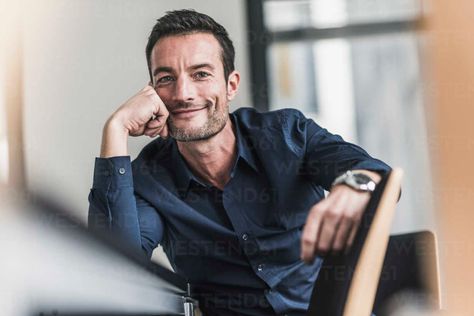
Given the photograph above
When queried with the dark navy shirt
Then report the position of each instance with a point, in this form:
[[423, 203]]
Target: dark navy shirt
[[240, 246]]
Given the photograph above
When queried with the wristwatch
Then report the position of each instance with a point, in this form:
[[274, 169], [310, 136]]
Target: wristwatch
[[355, 180]]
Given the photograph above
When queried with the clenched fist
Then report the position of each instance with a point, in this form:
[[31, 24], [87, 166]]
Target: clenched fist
[[142, 114]]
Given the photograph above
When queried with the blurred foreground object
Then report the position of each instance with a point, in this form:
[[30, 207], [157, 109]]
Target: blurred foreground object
[[51, 264], [451, 65], [12, 165], [410, 274]]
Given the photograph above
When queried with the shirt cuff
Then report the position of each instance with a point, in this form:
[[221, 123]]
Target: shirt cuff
[[113, 172], [374, 165]]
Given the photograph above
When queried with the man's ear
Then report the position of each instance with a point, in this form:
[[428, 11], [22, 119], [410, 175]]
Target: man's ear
[[233, 84]]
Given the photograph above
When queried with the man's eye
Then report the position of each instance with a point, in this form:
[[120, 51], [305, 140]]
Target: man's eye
[[164, 79], [201, 75]]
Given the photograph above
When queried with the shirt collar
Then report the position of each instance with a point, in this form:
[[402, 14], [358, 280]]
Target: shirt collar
[[244, 147], [184, 175]]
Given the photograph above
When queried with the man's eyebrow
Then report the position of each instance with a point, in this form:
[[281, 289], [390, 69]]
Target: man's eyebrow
[[193, 67], [162, 69], [203, 65]]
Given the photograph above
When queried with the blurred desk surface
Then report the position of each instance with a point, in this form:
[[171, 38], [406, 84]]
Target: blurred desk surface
[[50, 264]]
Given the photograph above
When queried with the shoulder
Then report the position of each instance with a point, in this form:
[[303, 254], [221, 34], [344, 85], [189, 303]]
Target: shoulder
[[156, 151], [283, 130], [252, 118]]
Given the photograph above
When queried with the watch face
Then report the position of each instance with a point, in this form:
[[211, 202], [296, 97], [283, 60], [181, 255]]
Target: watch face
[[361, 178], [357, 181]]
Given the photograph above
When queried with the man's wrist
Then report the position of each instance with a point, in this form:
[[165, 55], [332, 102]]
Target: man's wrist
[[114, 139], [356, 180], [115, 125]]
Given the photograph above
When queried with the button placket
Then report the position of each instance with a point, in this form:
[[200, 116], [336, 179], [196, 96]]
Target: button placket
[[235, 217]]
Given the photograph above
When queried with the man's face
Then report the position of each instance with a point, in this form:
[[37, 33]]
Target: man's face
[[188, 75]]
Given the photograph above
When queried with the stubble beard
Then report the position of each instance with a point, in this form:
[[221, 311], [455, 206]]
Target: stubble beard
[[216, 121]]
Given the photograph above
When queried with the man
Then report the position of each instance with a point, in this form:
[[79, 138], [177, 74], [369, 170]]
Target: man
[[236, 200]]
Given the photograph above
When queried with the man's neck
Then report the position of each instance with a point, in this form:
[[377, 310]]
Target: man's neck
[[212, 159]]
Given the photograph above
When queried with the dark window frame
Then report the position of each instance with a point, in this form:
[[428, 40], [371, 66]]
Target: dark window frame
[[260, 39]]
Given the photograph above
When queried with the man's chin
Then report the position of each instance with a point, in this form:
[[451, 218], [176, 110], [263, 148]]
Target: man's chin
[[186, 135], [195, 134]]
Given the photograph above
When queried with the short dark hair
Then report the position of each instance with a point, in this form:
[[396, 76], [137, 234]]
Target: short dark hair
[[183, 22]]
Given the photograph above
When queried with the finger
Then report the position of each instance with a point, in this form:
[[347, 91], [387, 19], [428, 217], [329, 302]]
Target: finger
[[310, 233], [163, 115], [357, 219], [158, 124], [147, 87], [328, 231], [164, 132], [150, 132], [138, 132], [155, 128], [352, 235], [155, 123], [342, 234], [163, 111], [150, 91], [338, 224]]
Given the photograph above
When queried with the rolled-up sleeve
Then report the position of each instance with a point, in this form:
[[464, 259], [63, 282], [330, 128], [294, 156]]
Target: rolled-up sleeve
[[327, 155], [115, 209]]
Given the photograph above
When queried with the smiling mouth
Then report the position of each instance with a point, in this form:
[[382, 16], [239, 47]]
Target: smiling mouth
[[187, 112]]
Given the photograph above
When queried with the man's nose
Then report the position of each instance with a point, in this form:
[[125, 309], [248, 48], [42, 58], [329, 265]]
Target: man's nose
[[185, 91]]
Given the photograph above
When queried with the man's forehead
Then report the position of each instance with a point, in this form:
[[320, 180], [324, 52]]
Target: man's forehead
[[195, 48]]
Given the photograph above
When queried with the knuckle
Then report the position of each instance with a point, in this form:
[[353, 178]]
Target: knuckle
[[318, 209], [348, 217], [307, 240], [337, 247], [151, 97], [324, 248], [357, 218], [334, 214]]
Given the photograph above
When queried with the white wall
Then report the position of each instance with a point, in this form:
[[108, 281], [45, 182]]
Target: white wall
[[83, 58]]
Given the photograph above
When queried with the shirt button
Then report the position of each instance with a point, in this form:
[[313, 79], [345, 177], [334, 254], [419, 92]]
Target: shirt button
[[245, 236], [260, 267], [122, 170]]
